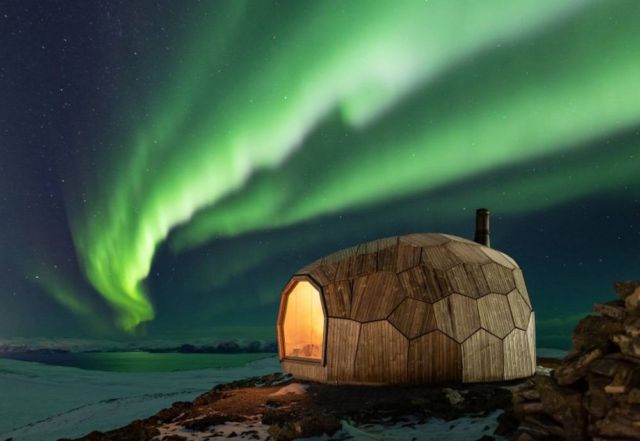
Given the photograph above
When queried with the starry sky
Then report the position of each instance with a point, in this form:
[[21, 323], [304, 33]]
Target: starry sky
[[166, 166]]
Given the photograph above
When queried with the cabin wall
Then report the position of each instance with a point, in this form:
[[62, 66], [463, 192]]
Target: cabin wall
[[423, 308]]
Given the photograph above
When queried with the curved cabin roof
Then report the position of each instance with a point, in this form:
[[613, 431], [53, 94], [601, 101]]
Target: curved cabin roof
[[395, 277], [419, 308]]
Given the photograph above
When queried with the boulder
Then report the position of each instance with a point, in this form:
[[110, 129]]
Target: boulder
[[594, 331], [623, 289], [575, 368]]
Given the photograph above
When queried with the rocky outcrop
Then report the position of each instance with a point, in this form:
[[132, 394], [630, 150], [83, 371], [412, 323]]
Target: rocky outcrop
[[595, 392], [279, 408]]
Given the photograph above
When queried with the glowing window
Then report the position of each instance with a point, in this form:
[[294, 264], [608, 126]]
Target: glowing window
[[303, 322]]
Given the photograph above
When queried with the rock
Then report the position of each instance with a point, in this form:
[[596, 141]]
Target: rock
[[453, 396], [307, 426], [606, 366], [628, 345], [564, 405], [595, 392], [619, 422], [576, 368], [623, 289], [632, 326], [626, 377], [632, 302], [613, 309], [543, 424], [203, 423], [523, 436], [169, 414], [533, 407], [530, 394], [596, 401], [595, 331], [633, 396]]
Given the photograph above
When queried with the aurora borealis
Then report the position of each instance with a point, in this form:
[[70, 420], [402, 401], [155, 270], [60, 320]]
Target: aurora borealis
[[167, 174]]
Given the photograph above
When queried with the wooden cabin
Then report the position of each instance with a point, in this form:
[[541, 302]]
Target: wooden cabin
[[419, 308]]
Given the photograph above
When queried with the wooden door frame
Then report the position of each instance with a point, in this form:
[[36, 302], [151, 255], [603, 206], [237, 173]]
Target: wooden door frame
[[281, 313]]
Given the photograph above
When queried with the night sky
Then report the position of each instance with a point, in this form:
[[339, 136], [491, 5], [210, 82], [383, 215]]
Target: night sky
[[166, 166]]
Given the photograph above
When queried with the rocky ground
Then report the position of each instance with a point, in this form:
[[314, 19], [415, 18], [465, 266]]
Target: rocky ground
[[595, 392], [277, 407]]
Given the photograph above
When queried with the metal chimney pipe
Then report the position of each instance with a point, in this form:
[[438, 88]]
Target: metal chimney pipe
[[482, 227]]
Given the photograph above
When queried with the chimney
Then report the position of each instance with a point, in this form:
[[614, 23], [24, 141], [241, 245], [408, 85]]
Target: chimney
[[482, 227]]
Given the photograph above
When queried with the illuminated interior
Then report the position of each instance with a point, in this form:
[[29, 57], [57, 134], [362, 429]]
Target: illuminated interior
[[303, 322]]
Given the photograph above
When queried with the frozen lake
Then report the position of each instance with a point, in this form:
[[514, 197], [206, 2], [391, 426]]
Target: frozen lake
[[40, 402]]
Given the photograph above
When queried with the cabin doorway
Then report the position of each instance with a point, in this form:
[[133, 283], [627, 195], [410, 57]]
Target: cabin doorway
[[302, 326]]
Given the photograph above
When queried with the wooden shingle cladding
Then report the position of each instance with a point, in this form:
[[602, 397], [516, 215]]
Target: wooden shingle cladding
[[420, 308]]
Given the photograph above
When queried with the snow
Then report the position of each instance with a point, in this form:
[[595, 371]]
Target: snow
[[253, 430], [434, 429], [42, 402]]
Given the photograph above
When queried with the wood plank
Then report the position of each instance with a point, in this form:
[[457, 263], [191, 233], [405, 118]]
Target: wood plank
[[353, 266], [464, 315], [387, 259], [443, 282], [519, 309], [468, 252], [342, 343], [482, 358], [435, 358], [531, 338], [305, 370], [521, 286], [380, 244], [462, 282], [421, 283], [424, 239], [323, 274], [517, 357], [458, 239], [442, 314], [337, 297], [499, 258], [413, 318], [408, 257], [439, 258], [477, 275], [382, 354], [457, 316], [364, 264], [511, 260], [500, 279], [495, 314], [375, 296]]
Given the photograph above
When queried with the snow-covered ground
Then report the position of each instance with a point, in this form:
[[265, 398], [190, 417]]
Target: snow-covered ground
[[41, 402], [434, 429]]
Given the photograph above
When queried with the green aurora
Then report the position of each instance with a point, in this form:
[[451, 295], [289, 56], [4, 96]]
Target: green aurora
[[271, 118]]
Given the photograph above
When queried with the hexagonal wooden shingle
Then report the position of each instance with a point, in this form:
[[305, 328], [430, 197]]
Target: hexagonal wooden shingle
[[499, 278], [375, 296], [457, 316], [495, 314], [413, 318], [421, 283]]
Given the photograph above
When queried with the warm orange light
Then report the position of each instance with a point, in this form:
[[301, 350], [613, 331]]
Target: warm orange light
[[303, 322]]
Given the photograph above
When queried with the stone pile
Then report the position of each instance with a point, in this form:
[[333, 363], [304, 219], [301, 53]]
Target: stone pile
[[595, 392]]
